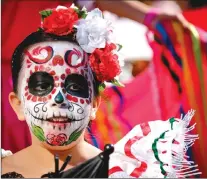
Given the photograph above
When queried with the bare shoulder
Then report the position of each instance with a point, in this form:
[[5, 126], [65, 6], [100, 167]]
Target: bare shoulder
[[94, 151], [14, 162], [23, 162]]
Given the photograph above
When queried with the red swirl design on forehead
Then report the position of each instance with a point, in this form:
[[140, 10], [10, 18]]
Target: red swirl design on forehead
[[70, 54], [37, 51]]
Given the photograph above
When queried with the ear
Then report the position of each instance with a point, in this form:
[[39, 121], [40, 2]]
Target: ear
[[16, 105], [96, 104]]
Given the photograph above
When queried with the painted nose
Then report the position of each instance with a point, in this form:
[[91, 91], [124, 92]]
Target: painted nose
[[59, 98]]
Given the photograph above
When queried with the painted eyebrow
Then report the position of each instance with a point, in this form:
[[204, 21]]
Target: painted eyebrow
[[68, 57], [37, 51]]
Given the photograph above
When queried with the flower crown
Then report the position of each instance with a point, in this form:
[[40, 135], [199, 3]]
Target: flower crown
[[93, 33]]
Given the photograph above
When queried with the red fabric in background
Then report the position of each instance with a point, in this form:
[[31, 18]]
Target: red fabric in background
[[19, 19], [197, 17]]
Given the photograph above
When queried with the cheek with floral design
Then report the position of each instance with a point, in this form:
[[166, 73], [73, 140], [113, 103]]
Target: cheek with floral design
[[57, 91]]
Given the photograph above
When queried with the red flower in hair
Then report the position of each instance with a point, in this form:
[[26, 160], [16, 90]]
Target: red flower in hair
[[105, 63], [60, 22]]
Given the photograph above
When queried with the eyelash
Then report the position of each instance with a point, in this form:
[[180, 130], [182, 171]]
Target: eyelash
[[41, 85], [78, 86]]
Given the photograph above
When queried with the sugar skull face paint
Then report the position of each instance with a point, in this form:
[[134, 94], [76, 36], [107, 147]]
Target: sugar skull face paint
[[57, 91]]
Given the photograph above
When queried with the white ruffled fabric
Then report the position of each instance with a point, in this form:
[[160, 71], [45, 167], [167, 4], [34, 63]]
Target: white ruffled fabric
[[155, 149], [5, 153]]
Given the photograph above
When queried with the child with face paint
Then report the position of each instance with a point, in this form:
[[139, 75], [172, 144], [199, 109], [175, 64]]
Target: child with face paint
[[56, 93], [57, 74]]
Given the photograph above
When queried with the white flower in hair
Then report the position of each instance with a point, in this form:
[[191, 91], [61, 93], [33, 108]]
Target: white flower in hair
[[94, 31], [61, 7], [64, 7]]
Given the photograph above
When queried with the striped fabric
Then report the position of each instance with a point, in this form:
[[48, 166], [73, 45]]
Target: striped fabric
[[184, 55]]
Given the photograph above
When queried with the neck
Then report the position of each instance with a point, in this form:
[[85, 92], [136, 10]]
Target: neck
[[75, 150]]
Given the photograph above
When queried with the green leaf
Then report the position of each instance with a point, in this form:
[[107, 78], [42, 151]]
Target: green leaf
[[83, 14], [101, 87], [45, 13], [120, 47], [38, 132], [77, 10], [39, 29], [117, 83], [74, 136]]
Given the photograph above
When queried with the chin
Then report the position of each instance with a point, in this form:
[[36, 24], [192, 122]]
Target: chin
[[59, 148]]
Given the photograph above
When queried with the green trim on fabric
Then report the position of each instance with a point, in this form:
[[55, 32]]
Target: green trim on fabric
[[198, 58], [172, 120], [154, 148]]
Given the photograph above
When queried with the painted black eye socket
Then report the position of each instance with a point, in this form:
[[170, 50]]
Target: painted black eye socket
[[40, 84], [77, 85]]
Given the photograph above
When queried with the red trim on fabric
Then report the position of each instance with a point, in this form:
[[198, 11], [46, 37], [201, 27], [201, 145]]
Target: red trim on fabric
[[145, 128], [114, 170], [137, 172]]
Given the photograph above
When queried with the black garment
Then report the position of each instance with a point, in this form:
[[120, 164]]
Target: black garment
[[96, 167], [12, 175]]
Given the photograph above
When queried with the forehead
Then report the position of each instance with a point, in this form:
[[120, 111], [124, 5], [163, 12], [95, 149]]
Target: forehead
[[58, 47], [60, 56], [55, 54]]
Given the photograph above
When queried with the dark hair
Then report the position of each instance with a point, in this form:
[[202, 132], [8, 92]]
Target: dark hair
[[197, 3], [33, 38]]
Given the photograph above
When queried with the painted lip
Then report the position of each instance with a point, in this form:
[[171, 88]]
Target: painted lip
[[56, 119], [59, 120]]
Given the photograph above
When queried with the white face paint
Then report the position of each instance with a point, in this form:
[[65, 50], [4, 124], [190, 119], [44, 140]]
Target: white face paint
[[57, 91]]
